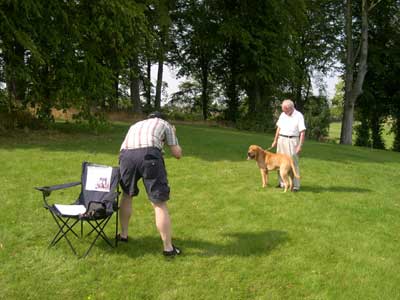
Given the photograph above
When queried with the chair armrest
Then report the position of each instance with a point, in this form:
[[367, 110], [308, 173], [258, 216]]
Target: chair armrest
[[46, 190]]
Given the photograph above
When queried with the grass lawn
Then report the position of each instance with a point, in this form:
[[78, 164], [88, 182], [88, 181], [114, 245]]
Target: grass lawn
[[338, 238]]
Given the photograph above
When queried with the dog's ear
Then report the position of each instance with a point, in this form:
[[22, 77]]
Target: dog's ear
[[261, 152], [255, 155], [258, 152]]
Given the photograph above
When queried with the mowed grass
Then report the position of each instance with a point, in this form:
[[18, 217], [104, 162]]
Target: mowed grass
[[336, 239]]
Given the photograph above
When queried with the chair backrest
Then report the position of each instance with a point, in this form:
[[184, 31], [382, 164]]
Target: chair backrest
[[99, 185]]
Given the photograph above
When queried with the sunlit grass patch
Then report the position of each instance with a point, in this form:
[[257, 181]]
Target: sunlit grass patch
[[335, 239]]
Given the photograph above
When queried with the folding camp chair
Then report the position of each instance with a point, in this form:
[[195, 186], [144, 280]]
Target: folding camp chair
[[97, 201]]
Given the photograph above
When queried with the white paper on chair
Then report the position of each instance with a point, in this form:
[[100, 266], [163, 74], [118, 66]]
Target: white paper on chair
[[98, 178], [70, 210]]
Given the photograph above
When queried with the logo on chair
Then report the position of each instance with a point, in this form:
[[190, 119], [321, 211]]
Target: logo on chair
[[98, 178]]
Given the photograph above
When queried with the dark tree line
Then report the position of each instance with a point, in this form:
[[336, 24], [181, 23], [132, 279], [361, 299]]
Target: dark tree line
[[242, 57]]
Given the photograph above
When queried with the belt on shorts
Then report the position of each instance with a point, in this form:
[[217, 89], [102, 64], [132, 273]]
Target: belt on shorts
[[144, 148], [289, 136]]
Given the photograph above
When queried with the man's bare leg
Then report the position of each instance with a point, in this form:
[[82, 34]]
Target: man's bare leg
[[163, 223], [125, 213]]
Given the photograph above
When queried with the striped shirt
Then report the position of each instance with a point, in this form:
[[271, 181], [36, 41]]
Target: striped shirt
[[152, 132]]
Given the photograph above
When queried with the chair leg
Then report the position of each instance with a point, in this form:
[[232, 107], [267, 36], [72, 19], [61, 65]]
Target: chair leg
[[63, 233], [94, 227], [99, 228], [59, 221]]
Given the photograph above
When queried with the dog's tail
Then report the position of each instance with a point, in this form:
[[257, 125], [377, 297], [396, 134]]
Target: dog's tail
[[294, 169]]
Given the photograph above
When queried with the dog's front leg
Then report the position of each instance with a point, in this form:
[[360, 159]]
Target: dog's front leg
[[264, 177]]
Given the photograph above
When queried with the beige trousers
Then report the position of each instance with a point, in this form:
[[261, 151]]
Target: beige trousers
[[288, 146]]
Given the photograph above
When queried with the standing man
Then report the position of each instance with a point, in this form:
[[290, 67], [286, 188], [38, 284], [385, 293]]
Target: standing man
[[289, 136], [141, 157]]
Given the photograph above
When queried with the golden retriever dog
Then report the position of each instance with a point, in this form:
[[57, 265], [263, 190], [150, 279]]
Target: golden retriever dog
[[268, 161]]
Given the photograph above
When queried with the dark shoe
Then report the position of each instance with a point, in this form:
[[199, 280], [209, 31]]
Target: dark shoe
[[121, 239], [175, 251], [295, 190]]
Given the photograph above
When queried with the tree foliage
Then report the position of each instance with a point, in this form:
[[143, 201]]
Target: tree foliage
[[241, 58], [58, 54], [380, 98]]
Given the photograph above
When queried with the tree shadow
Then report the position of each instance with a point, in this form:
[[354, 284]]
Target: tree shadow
[[336, 189], [202, 142], [347, 154], [241, 244]]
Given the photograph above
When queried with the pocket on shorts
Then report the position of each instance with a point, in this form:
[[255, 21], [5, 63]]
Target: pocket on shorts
[[151, 168]]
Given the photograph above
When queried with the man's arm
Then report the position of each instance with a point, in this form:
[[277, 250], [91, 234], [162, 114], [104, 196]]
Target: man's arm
[[176, 151], [276, 137], [301, 142]]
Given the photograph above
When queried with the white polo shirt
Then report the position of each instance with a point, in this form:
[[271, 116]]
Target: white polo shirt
[[291, 125]]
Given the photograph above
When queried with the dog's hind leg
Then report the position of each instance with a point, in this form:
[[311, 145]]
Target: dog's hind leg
[[285, 181], [290, 183]]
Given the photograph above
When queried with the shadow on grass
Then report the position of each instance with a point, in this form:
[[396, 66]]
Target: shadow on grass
[[335, 189], [240, 244], [210, 144], [205, 143]]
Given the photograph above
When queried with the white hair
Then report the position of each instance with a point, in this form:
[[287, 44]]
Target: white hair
[[288, 103]]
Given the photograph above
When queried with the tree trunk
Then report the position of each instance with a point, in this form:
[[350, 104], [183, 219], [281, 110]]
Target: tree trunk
[[15, 82], [232, 86], [308, 89], [232, 93], [259, 104], [45, 104], [161, 55], [347, 124], [147, 85], [396, 128], [376, 132], [299, 83], [353, 89], [114, 103], [204, 89], [251, 100], [257, 97], [134, 86], [157, 101], [298, 99]]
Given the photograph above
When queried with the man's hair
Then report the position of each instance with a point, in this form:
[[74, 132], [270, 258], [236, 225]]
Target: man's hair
[[156, 114], [288, 103]]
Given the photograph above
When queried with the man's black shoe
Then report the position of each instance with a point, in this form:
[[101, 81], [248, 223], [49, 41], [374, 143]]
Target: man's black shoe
[[175, 251], [121, 239]]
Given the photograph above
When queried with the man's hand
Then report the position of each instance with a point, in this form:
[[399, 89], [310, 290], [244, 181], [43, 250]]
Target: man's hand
[[298, 149], [176, 151]]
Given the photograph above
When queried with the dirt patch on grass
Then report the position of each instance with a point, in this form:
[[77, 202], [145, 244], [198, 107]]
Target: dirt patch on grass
[[129, 117], [121, 116]]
